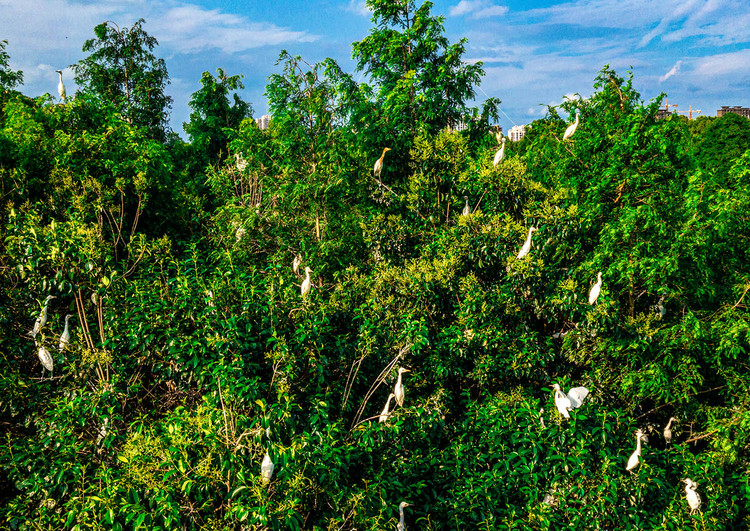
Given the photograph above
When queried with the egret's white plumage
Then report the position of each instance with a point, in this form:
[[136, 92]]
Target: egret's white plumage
[[660, 308], [526, 246], [307, 283], [596, 289], [692, 497], [635, 458], [398, 390], [296, 263], [500, 153], [45, 357], [61, 87], [103, 431], [65, 336], [467, 208], [668, 430], [571, 129], [572, 400], [42, 319], [401, 525], [379, 163], [386, 410], [266, 468]]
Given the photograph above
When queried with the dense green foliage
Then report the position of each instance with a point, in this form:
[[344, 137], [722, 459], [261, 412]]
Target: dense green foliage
[[192, 352]]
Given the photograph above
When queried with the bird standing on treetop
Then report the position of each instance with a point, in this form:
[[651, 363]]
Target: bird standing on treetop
[[401, 525], [398, 391], [386, 410], [571, 129], [42, 319], [65, 336], [500, 153], [572, 400], [526, 246], [693, 498], [307, 283], [634, 460], [379, 163], [595, 289], [668, 431], [61, 87]]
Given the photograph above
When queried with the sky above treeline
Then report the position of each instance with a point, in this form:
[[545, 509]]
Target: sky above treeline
[[535, 53]]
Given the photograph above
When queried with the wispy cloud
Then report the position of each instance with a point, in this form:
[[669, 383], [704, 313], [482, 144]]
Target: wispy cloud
[[723, 64], [359, 7], [478, 9], [672, 71]]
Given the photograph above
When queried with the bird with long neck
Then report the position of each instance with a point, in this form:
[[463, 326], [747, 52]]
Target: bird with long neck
[[526, 246], [61, 87], [307, 283], [500, 153], [467, 208], [379, 163], [42, 319], [596, 289], [571, 129], [398, 390], [634, 460], [401, 525], [668, 430], [692, 497], [65, 336], [386, 410]]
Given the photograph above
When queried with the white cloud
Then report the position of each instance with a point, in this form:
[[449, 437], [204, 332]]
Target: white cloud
[[724, 64], [672, 71], [479, 9], [359, 7]]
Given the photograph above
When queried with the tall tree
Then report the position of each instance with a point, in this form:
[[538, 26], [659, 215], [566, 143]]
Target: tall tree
[[123, 71], [214, 117]]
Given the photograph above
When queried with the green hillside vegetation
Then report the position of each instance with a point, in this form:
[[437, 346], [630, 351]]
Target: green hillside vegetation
[[193, 353]]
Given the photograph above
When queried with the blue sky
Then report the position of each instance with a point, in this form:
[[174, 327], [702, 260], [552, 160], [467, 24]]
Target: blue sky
[[535, 53]]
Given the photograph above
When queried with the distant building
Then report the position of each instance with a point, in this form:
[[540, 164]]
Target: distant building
[[742, 111], [263, 121], [664, 113], [516, 133]]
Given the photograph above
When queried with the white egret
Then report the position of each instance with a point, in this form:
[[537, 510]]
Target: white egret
[[401, 525], [379, 163], [693, 498], [103, 431], [500, 153], [386, 410], [398, 391], [65, 336], [467, 208], [660, 308], [596, 289], [266, 468], [46, 358], [571, 129], [61, 87], [572, 400], [240, 161], [42, 319], [307, 283], [296, 263], [635, 458], [668, 431], [526, 246]]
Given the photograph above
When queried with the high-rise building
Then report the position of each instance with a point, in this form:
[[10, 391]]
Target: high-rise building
[[516, 133], [263, 121], [742, 111]]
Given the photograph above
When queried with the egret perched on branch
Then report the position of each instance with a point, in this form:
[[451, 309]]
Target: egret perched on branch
[[307, 283], [401, 525], [266, 468], [693, 498], [65, 336], [467, 208], [295, 264], [42, 319], [46, 358], [572, 400], [61, 87], [526, 246], [668, 431], [595, 289], [386, 410], [379, 163], [634, 460], [571, 129], [500, 153], [398, 391], [103, 430]]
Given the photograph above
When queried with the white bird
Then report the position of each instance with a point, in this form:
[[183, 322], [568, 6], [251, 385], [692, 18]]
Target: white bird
[[240, 161], [61, 87], [103, 431], [526, 246], [42, 319], [596, 289], [660, 308], [693, 498], [500, 153], [401, 525], [386, 410], [379, 163], [398, 391], [571, 128], [467, 208], [572, 400], [634, 460], [46, 358], [296, 263], [307, 283], [266, 468], [668, 431], [65, 336]]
